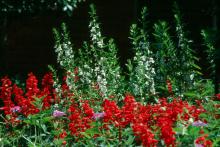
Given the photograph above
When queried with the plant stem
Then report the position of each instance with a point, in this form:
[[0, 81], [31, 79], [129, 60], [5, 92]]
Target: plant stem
[[119, 135]]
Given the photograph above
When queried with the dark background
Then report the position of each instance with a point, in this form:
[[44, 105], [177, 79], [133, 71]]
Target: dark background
[[30, 42]]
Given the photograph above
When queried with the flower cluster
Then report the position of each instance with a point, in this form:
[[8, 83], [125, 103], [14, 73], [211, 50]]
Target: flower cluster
[[143, 72], [17, 101], [202, 141], [5, 95], [162, 116], [80, 120], [150, 123]]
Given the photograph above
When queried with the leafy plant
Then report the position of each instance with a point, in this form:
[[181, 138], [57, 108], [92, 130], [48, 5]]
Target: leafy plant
[[166, 55], [211, 55], [141, 67], [188, 70]]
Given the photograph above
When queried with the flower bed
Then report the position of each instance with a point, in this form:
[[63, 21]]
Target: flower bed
[[162, 99], [69, 120]]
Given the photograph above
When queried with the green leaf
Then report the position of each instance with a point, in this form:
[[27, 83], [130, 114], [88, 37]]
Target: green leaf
[[44, 127], [47, 119], [58, 142], [194, 131], [190, 94], [55, 132], [216, 141], [130, 140], [85, 134], [196, 66]]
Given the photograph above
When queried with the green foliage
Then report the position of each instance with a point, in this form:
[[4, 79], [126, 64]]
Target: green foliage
[[65, 55], [141, 67], [95, 64], [63, 47], [97, 39], [33, 6], [175, 60], [212, 115], [186, 134], [34, 131], [202, 90], [189, 70], [210, 50], [166, 59]]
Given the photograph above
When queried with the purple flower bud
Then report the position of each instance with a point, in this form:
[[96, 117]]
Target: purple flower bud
[[97, 116], [58, 113], [15, 109], [199, 123]]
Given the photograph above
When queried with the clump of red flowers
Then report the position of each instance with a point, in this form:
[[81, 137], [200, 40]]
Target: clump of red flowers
[[80, 119], [148, 122], [203, 141], [12, 95], [217, 96]]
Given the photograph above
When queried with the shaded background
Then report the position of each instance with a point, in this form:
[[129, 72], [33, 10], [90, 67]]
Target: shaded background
[[30, 42]]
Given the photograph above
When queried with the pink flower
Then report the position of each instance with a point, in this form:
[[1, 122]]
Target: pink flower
[[58, 113], [199, 123], [15, 109], [97, 116], [198, 145], [2, 108]]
